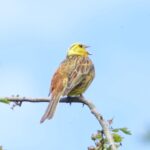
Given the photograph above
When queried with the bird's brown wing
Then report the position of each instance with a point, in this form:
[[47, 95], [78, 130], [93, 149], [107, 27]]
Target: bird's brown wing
[[81, 72], [58, 84]]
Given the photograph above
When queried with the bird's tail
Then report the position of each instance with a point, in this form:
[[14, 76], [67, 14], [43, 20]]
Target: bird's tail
[[51, 108]]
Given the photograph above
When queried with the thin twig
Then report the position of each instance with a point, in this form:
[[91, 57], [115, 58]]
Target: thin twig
[[104, 124]]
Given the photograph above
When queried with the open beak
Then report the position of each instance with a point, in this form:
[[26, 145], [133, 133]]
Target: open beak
[[85, 46], [89, 53]]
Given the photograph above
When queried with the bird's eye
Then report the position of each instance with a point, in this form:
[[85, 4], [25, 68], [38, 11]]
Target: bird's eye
[[80, 45]]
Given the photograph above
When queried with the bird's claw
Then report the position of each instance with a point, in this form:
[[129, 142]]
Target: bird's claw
[[17, 103]]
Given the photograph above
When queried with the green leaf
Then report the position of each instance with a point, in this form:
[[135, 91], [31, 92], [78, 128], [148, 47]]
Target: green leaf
[[125, 130], [4, 100], [109, 148], [117, 138], [98, 136], [115, 130]]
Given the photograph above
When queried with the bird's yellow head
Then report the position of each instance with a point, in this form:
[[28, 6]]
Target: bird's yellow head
[[78, 49]]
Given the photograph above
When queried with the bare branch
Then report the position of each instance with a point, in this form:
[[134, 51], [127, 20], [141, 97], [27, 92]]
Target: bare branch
[[104, 124]]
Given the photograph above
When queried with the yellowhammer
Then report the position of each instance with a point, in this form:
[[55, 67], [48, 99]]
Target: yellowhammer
[[72, 78]]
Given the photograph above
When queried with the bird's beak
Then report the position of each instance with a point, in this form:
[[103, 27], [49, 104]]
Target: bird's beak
[[89, 53], [85, 46]]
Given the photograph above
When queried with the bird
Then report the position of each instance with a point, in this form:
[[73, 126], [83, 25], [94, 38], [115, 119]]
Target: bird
[[72, 78]]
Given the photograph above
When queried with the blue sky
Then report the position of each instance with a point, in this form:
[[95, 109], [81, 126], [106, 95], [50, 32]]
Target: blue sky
[[34, 38]]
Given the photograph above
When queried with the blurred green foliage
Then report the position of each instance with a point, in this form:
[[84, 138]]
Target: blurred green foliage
[[4, 100], [101, 142]]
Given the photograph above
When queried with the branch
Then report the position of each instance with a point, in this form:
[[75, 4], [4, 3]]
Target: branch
[[104, 124]]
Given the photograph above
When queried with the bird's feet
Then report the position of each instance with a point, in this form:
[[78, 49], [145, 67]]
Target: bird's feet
[[68, 98]]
